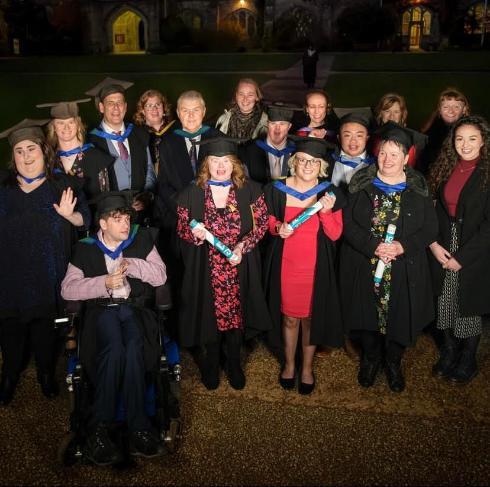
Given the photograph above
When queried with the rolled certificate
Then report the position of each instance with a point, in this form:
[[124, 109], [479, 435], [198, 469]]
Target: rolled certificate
[[216, 243], [307, 214], [380, 268]]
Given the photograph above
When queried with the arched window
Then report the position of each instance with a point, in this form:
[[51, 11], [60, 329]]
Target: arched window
[[245, 20], [405, 22], [427, 21], [474, 18], [416, 14]]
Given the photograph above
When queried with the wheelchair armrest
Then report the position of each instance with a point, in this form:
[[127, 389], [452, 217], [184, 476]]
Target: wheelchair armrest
[[163, 298], [73, 307]]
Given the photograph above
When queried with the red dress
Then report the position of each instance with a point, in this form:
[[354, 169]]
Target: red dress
[[299, 258]]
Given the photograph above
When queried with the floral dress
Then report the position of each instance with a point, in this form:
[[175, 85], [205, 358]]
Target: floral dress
[[225, 224], [386, 210]]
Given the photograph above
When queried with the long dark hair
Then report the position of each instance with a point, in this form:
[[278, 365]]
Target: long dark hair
[[448, 157]]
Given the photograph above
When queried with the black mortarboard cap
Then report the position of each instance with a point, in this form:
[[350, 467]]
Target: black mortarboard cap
[[360, 117], [416, 138], [64, 109], [394, 132], [28, 129], [113, 200], [220, 146], [107, 87], [280, 112], [313, 146]]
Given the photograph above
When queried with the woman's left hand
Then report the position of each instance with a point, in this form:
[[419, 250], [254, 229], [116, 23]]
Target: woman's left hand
[[328, 201], [67, 204], [453, 265], [318, 133], [238, 252]]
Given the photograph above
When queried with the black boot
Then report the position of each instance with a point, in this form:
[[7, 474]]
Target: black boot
[[466, 368], [233, 341], [368, 370], [49, 386], [210, 366], [7, 389], [448, 355], [394, 376]]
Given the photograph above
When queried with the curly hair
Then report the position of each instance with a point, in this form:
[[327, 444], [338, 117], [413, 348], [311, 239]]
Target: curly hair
[[292, 166], [139, 114], [52, 138], [386, 102], [443, 166], [237, 175]]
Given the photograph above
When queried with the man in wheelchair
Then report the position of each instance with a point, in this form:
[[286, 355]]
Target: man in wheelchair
[[115, 274]]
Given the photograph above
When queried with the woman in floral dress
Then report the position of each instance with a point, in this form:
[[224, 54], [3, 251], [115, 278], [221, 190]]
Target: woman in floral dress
[[222, 299], [391, 312]]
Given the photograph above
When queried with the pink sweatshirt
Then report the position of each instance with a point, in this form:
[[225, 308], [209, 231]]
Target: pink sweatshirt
[[76, 286]]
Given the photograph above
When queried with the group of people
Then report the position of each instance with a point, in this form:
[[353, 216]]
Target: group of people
[[302, 227]]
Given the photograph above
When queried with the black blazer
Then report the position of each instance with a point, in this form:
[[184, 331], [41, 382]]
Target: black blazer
[[473, 226]]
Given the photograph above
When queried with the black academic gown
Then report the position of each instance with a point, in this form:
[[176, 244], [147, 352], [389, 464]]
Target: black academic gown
[[411, 305], [175, 174], [93, 162], [138, 141], [257, 162], [326, 320], [90, 259], [197, 323]]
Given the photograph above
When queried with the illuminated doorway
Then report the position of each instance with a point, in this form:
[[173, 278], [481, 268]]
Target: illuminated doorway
[[128, 34], [415, 36]]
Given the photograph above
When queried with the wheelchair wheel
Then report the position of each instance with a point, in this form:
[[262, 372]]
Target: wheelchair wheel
[[69, 450], [173, 435]]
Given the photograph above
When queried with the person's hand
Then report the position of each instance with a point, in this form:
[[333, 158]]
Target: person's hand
[[440, 253], [399, 250], [137, 205], [386, 252], [453, 265], [327, 201], [123, 267], [115, 280], [238, 252], [67, 203], [200, 234], [318, 133], [284, 230]]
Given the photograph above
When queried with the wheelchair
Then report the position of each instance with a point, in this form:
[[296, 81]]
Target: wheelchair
[[162, 399]]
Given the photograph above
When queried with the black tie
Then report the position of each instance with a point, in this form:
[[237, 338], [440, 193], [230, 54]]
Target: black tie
[[193, 156]]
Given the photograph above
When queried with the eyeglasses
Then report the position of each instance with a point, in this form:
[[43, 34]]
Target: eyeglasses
[[311, 162], [150, 106]]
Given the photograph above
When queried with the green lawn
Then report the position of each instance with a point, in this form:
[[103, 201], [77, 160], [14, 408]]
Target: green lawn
[[151, 63], [433, 61], [420, 90]]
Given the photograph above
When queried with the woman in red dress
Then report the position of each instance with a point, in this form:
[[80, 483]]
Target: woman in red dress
[[222, 299], [301, 284]]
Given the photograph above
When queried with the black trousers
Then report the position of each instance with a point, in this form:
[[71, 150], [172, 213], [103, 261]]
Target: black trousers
[[120, 371], [376, 346], [15, 336]]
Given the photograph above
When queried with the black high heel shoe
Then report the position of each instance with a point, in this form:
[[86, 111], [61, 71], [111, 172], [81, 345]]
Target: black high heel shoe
[[305, 389], [287, 384]]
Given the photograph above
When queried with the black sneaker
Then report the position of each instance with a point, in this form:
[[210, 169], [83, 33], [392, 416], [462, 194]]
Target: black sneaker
[[145, 444], [100, 449]]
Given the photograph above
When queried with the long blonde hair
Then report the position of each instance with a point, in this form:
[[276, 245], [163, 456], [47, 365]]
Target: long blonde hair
[[52, 138]]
